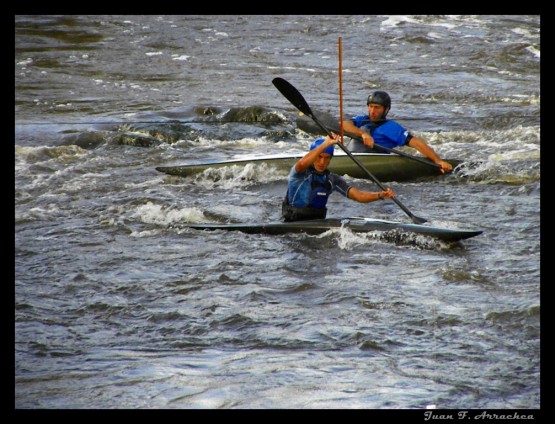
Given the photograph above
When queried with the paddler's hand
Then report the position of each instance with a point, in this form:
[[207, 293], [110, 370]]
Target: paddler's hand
[[367, 139], [445, 166], [333, 139], [386, 194]]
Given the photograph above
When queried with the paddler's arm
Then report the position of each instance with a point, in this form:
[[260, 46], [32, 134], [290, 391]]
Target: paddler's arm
[[350, 127], [369, 196], [426, 150], [308, 159]]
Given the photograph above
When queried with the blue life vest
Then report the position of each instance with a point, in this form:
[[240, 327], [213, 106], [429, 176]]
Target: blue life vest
[[386, 133], [316, 209], [320, 192]]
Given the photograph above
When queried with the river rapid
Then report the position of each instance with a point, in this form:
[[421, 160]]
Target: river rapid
[[119, 305]]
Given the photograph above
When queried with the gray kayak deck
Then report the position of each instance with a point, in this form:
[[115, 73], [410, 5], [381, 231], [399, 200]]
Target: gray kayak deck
[[385, 167], [319, 226]]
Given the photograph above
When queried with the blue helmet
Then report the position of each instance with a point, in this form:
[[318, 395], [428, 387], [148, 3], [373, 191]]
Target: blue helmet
[[328, 150]]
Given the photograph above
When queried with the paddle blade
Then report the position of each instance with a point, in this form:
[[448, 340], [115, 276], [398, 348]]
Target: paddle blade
[[293, 95], [418, 220]]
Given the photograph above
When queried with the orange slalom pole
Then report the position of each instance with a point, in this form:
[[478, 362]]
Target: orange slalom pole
[[340, 93]]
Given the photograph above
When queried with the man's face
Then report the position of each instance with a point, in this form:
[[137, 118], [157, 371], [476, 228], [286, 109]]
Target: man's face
[[375, 111], [322, 161]]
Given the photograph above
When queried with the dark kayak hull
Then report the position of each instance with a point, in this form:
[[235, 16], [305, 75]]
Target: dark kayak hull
[[319, 226], [385, 167]]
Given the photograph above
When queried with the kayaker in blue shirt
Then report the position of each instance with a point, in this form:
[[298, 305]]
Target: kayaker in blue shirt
[[374, 127], [310, 184]]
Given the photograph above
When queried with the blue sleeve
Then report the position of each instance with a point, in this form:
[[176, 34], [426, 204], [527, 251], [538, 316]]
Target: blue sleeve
[[339, 184], [391, 135], [293, 174]]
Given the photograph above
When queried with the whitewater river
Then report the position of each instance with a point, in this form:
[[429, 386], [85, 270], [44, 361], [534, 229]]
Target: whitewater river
[[119, 305]]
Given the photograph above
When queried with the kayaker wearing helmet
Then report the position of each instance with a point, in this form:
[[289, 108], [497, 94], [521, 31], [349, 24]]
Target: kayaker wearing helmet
[[374, 127], [310, 184]]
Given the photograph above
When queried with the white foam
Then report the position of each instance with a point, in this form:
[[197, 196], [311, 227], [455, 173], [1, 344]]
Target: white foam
[[238, 176], [393, 21], [534, 51], [151, 213], [346, 239], [51, 211], [146, 233], [182, 57], [211, 142]]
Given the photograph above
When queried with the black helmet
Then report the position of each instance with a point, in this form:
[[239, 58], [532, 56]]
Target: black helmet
[[381, 98]]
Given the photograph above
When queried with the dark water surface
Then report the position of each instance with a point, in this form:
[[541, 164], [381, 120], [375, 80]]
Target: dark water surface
[[119, 305]]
